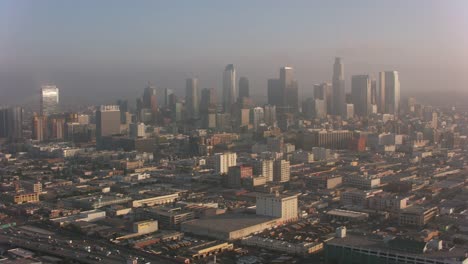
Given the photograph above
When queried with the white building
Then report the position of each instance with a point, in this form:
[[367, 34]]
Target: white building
[[222, 161]]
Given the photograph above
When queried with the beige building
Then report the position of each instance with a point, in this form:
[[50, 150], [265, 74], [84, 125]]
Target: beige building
[[145, 227], [281, 171], [157, 200], [229, 226], [417, 216], [277, 205], [222, 162]]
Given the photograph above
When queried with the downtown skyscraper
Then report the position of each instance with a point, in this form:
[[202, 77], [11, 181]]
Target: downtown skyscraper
[[192, 98], [389, 93], [289, 90], [49, 100], [229, 87], [361, 94], [11, 123], [244, 91], [338, 89], [283, 92]]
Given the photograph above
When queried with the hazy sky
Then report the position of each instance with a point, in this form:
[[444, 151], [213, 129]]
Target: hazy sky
[[102, 50]]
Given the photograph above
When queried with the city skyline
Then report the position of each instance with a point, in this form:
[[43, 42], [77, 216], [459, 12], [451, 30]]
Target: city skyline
[[29, 60], [265, 131]]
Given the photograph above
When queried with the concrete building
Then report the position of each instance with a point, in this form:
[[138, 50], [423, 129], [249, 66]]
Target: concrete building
[[222, 162], [361, 181], [170, 217], [278, 206], [331, 139], [156, 200], [347, 215], [107, 121], [372, 250], [229, 226], [236, 174], [281, 171], [264, 168], [417, 216], [145, 227]]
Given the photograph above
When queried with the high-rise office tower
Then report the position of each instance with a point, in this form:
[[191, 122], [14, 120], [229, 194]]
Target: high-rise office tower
[[258, 117], [123, 106], [149, 98], [270, 115], [208, 100], [391, 92], [244, 91], [350, 111], [56, 128], [283, 92], [107, 121], [323, 91], [274, 92], [338, 90], [289, 90], [374, 91], [11, 123], [381, 93], [435, 120], [39, 128], [4, 123], [229, 87], [208, 107], [192, 98], [49, 100], [167, 94], [361, 94]]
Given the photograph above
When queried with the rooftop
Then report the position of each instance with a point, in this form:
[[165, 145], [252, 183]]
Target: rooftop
[[230, 222], [368, 242]]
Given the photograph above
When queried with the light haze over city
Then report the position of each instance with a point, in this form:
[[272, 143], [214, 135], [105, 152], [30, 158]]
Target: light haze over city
[[112, 48]]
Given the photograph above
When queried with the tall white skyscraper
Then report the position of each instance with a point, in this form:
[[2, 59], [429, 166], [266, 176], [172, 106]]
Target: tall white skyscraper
[[389, 92], [229, 87], [49, 100]]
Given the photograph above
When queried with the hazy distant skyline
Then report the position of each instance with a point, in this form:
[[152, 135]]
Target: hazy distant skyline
[[104, 50]]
